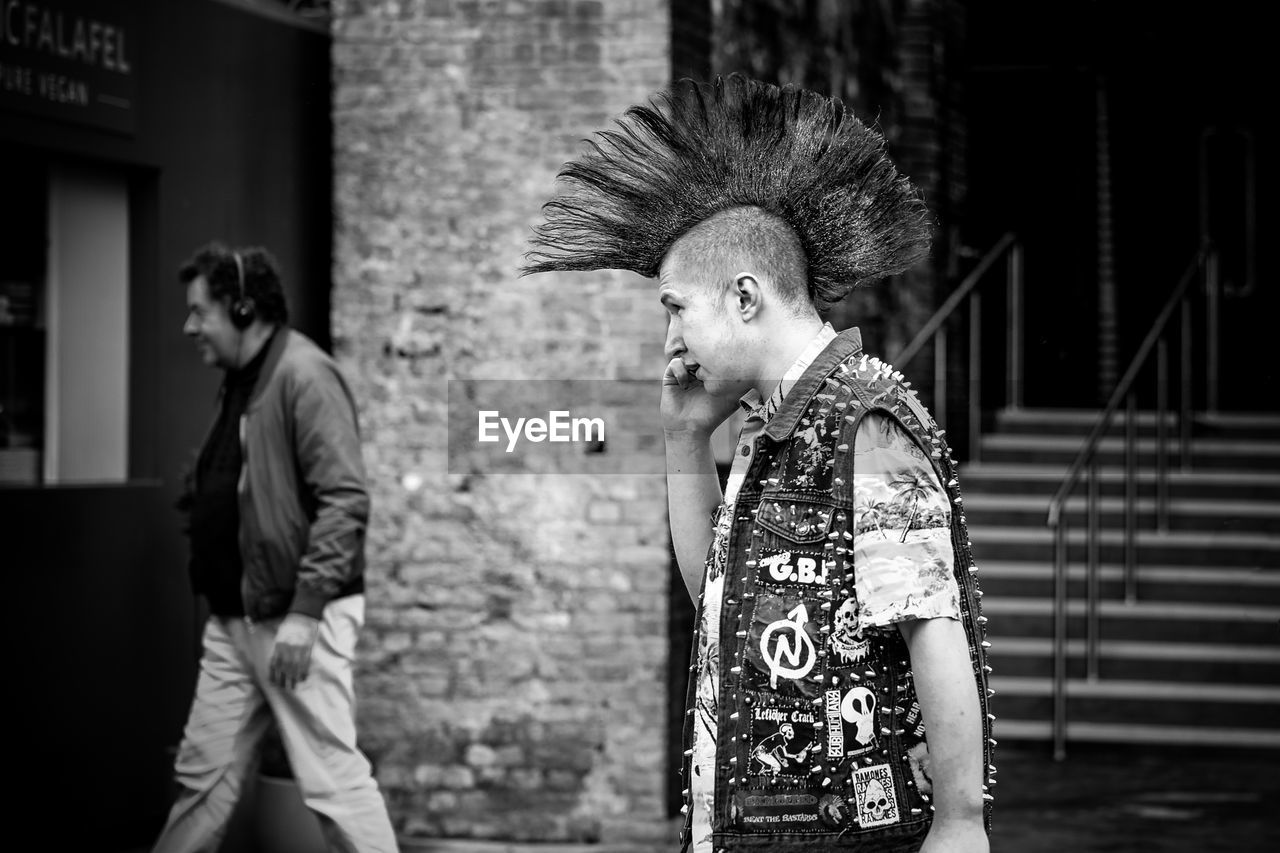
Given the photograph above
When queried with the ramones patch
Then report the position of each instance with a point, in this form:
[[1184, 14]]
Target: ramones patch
[[875, 797], [783, 645], [798, 568], [784, 740]]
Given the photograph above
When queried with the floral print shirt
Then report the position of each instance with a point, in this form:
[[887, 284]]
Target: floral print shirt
[[702, 783], [902, 554]]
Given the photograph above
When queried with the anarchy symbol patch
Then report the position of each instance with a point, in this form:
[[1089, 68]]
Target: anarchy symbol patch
[[786, 648]]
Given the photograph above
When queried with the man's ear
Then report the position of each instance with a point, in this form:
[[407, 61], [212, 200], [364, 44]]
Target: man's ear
[[747, 295]]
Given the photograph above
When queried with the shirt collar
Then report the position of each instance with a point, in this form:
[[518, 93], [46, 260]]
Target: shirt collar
[[752, 403], [783, 423]]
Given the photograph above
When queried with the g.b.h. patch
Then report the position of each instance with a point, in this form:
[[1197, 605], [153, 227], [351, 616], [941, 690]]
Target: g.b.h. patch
[[797, 568]]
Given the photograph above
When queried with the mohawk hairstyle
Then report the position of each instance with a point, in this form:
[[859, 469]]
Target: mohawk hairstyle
[[698, 149]]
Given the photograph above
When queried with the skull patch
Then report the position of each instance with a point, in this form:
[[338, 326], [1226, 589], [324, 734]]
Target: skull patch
[[858, 708], [845, 642], [874, 803]]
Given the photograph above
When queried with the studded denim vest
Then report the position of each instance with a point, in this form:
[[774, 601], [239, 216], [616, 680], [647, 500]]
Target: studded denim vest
[[785, 697]]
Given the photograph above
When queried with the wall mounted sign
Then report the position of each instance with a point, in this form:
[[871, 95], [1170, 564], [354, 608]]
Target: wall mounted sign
[[74, 60]]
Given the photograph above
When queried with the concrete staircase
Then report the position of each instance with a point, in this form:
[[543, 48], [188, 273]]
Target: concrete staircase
[[1196, 660]]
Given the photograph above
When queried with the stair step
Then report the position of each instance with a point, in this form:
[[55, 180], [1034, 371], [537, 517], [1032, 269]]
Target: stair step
[[1178, 691], [1138, 660], [1196, 661], [1242, 424], [1183, 513], [1044, 479], [1251, 454], [1175, 547], [1001, 580], [1152, 702], [1082, 731], [1146, 609], [1081, 421], [1148, 621]]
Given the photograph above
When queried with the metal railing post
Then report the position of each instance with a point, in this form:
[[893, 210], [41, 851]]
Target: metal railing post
[[1093, 583], [974, 398], [1060, 639], [952, 302], [1086, 463], [1162, 408], [1212, 308], [935, 330], [1184, 404], [1130, 498], [1014, 339]]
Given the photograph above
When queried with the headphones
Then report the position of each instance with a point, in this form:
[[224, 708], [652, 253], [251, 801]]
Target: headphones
[[242, 308]]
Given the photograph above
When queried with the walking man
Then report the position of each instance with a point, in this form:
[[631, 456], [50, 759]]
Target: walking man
[[832, 576], [277, 508]]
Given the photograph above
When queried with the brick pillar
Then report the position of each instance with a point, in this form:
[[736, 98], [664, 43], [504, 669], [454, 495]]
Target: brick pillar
[[512, 673], [929, 145]]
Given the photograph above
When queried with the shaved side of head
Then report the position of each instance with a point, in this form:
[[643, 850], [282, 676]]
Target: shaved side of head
[[748, 240]]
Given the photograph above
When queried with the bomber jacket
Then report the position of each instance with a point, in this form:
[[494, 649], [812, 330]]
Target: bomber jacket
[[819, 739], [303, 502]]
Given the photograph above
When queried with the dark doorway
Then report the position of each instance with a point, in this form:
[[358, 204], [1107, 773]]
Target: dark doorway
[[1185, 114]]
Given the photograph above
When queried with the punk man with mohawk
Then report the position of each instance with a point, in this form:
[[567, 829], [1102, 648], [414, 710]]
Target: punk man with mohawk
[[839, 697]]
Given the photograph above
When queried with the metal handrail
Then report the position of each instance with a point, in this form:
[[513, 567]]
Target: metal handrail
[[948, 307], [935, 329], [1204, 260]]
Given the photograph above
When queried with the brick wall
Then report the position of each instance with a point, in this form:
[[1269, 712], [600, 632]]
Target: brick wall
[[512, 678]]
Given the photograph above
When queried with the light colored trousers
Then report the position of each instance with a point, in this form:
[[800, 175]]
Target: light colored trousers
[[233, 706]]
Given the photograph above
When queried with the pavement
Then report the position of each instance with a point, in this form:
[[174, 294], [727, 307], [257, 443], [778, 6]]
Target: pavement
[[1122, 799], [1112, 799]]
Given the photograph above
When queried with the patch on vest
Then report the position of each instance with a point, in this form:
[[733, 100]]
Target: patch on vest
[[851, 721], [791, 568], [875, 796], [847, 645], [783, 740], [767, 812], [783, 643]]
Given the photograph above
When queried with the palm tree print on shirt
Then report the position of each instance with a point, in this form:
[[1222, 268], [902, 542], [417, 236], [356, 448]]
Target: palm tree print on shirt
[[910, 485]]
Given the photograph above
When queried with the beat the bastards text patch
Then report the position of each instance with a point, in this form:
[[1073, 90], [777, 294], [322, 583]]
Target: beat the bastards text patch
[[778, 811], [796, 810]]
